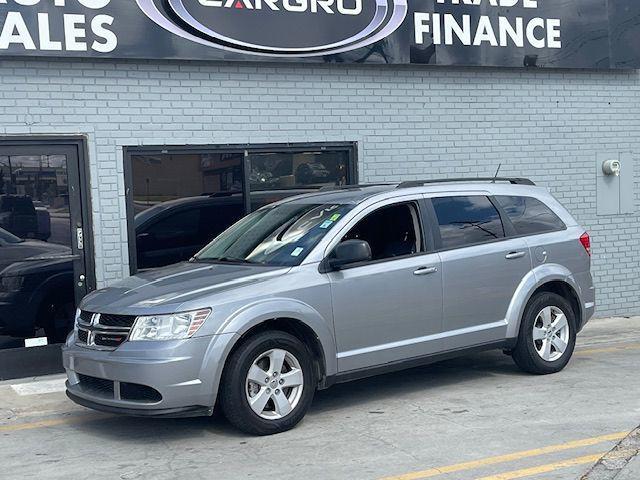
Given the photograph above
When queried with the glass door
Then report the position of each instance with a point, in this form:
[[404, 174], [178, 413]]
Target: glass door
[[42, 264]]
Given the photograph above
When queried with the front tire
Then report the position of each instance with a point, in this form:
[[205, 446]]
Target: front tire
[[268, 383], [547, 335]]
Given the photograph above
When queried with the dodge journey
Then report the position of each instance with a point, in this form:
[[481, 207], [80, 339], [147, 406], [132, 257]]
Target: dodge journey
[[332, 286]]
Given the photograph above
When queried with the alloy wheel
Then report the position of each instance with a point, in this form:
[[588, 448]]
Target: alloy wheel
[[274, 384], [551, 333]]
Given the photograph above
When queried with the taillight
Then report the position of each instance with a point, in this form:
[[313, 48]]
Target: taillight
[[585, 240]]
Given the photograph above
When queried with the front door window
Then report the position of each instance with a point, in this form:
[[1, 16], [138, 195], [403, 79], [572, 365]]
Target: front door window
[[392, 231]]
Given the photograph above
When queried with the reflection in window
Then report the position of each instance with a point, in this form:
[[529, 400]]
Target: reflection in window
[[36, 274], [163, 177], [211, 185], [529, 215], [34, 197], [182, 201], [279, 170], [467, 220], [279, 235]]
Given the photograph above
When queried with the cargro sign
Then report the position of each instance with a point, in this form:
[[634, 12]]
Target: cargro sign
[[506, 33]]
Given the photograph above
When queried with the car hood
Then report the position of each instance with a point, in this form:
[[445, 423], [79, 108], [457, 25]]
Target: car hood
[[39, 266], [38, 247], [28, 249], [21, 258], [164, 290]]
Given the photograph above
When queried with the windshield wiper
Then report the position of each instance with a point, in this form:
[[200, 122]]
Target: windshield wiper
[[227, 260]]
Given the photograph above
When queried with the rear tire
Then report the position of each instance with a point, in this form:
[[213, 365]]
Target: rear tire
[[547, 335], [268, 383]]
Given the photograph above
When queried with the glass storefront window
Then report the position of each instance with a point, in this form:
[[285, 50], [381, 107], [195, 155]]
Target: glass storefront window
[[164, 177], [276, 170], [181, 200]]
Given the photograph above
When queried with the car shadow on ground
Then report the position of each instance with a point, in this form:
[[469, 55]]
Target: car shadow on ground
[[339, 397], [419, 379]]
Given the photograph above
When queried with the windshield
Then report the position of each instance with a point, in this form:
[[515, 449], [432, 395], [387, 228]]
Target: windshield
[[274, 235], [9, 237]]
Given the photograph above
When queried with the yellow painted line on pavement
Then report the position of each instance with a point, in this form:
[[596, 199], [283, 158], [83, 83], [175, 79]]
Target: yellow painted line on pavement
[[483, 462], [54, 422], [620, 347], [551, 467]]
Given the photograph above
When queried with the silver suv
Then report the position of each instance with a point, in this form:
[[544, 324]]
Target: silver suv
[[332, 286]]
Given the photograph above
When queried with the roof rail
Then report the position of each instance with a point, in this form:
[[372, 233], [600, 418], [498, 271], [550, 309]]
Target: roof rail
[[512, 180], [353, 186]]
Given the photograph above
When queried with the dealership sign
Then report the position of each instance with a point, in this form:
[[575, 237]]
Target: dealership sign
[[509, 33], [318, 27]]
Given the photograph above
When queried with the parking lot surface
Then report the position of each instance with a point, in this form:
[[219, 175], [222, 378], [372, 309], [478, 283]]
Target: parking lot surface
[[476, 417]]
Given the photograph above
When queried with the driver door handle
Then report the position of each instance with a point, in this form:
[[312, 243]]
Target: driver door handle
[[425, 270], [514, 255]]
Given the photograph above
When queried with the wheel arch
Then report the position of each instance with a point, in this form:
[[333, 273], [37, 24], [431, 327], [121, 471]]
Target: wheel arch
[[546, 278], [293, 317]]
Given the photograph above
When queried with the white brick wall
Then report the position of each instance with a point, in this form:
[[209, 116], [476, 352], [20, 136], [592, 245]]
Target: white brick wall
[[409, 122]]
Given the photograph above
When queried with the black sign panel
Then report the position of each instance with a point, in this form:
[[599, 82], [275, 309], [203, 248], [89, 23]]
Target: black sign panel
[[502, 33]]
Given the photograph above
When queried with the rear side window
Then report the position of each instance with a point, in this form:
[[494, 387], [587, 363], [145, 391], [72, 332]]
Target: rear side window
[[467, 220], [529, 215]]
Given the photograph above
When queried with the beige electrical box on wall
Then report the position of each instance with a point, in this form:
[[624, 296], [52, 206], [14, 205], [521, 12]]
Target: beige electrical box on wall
[[615, 184]]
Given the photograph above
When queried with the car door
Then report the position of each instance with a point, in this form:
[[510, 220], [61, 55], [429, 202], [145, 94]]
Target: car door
[[171, 239], [481, 268], [390, 308]]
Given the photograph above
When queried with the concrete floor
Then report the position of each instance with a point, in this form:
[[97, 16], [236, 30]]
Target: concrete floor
[[423, 422]]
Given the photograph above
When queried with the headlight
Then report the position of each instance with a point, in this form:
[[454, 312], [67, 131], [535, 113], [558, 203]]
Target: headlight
[[168, 327], [11, 283]]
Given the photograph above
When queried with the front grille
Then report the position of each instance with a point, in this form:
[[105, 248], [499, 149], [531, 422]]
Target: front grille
[[139, 393], [125, 321], [85, 317], [97, 386], [104, 330], [83, 335]]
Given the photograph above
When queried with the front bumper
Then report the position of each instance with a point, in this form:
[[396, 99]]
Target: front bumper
[[185, 373], [194, 411]]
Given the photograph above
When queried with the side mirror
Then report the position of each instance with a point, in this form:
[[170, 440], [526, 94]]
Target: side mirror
[[348, 252]]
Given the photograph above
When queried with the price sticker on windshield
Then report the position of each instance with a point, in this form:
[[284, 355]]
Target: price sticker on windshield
[[326, 224], [297, 251]]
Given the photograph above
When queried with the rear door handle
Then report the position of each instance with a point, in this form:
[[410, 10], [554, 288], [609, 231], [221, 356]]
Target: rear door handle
[[425, 270], [514, 255]]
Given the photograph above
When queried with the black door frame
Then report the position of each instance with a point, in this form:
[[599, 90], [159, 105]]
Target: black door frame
[[23, 362], [350, 147]]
